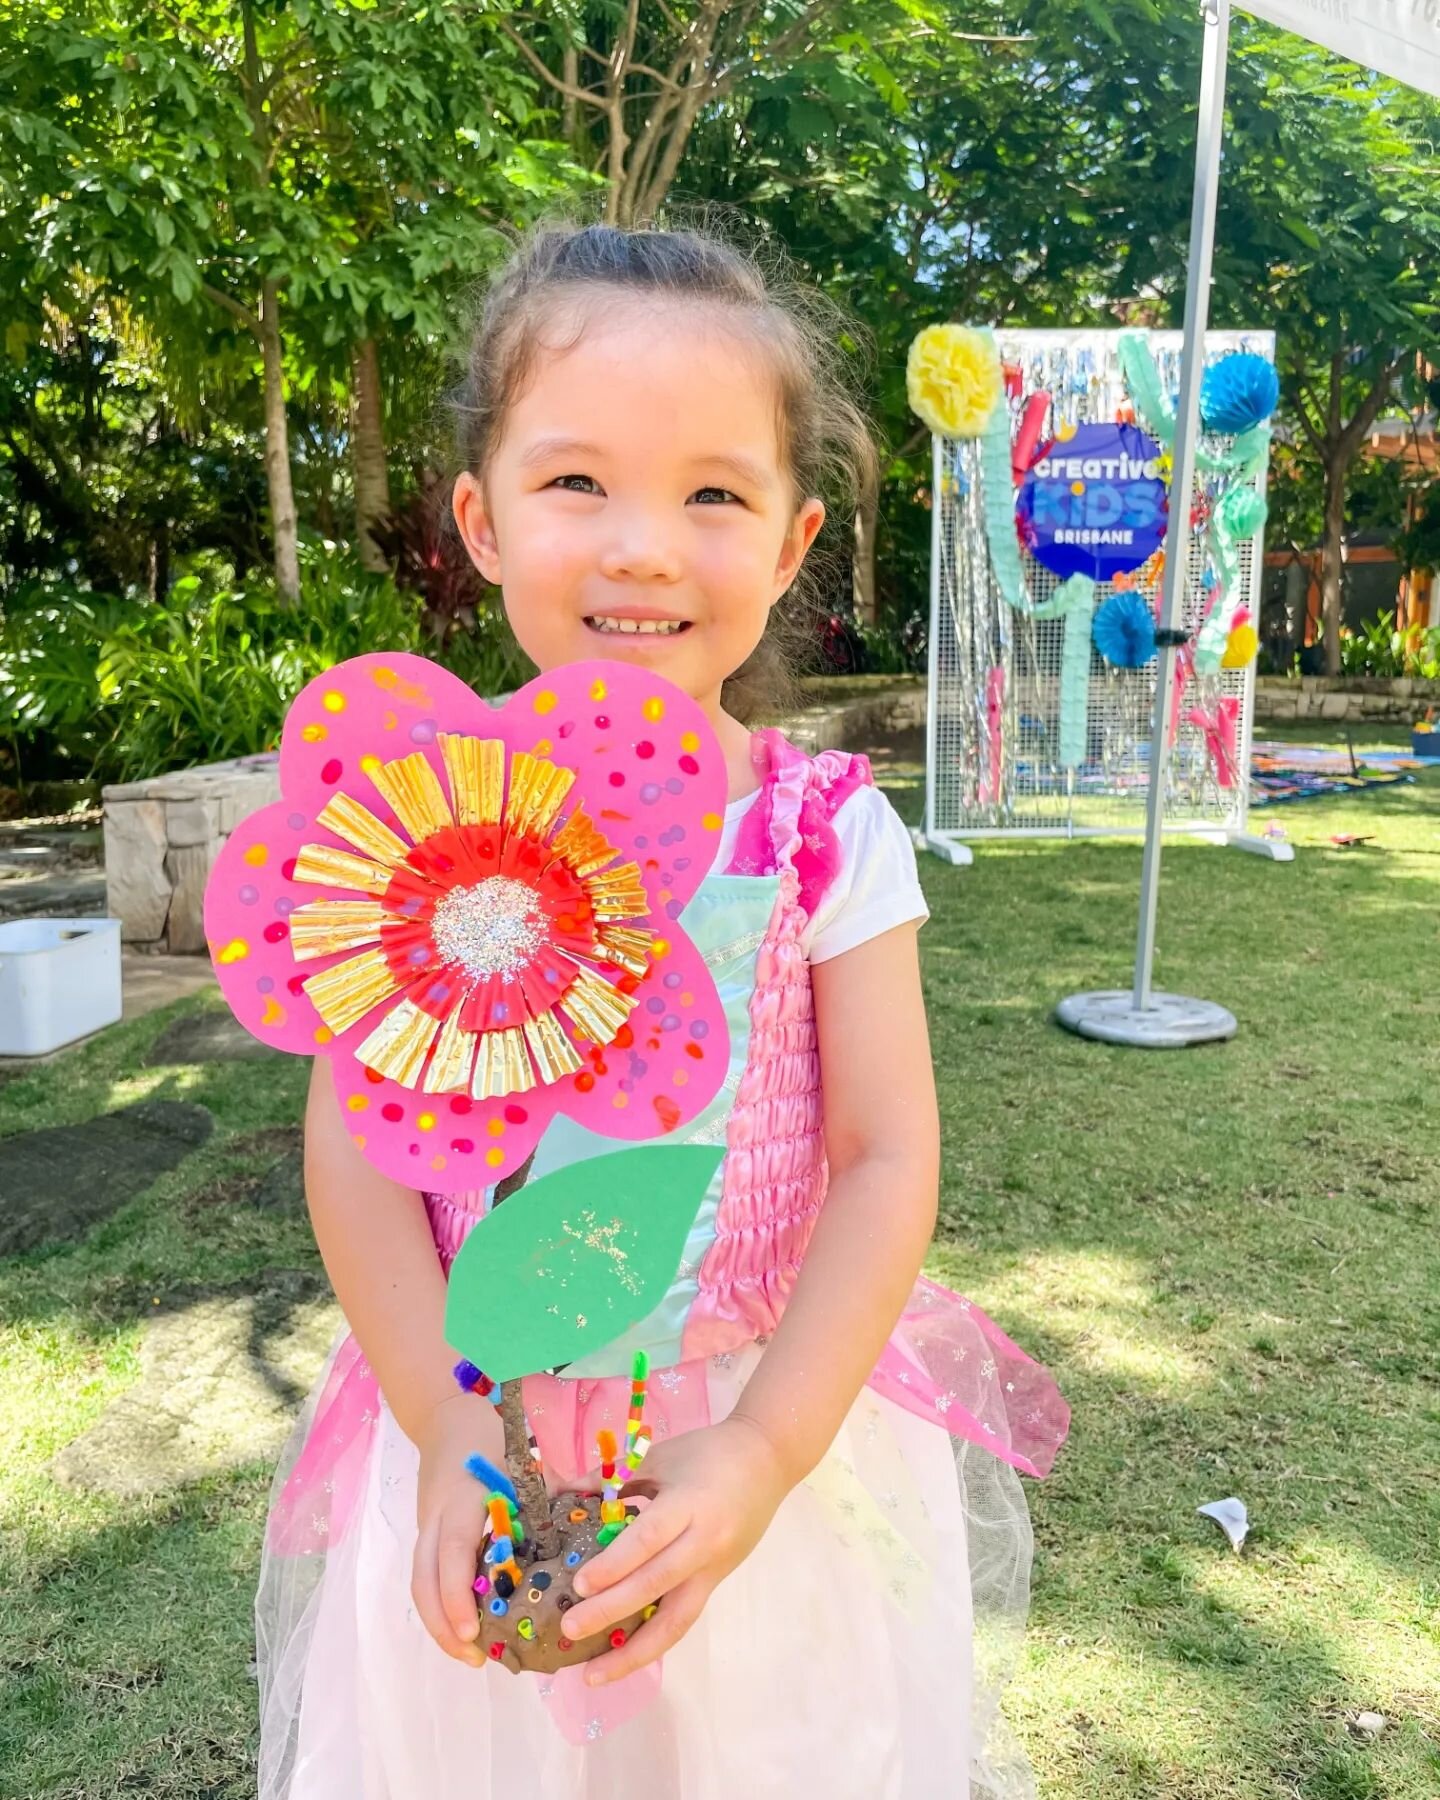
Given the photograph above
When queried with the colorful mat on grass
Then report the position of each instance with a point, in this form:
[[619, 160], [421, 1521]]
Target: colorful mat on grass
[[1281, 772]]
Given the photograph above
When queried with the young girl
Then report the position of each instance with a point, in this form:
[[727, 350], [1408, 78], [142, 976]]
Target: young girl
[[833, 1518]]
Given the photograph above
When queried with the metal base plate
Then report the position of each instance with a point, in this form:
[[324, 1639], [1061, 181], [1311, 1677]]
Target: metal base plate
[[1170, 1022]]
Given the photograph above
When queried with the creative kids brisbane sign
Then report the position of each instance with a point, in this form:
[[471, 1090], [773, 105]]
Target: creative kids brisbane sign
[[1094, 503]]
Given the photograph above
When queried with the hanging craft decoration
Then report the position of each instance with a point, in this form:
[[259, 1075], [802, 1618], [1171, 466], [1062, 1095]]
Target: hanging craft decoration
[[1245, 457], [954, 380], [1124, 631], [1219, 730], [1242, 642], [581, 1255], [1237, 393], [473, 912], [1093, 503]]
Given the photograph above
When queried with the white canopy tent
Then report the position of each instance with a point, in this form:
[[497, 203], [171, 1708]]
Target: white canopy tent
[[1399, 38]]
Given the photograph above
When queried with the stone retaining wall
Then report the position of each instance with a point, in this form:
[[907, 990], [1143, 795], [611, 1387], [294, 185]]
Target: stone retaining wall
[[163, 835], [1401, 698]]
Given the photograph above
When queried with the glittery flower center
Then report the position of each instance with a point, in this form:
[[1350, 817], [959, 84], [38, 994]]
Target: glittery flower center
[[492, 928]]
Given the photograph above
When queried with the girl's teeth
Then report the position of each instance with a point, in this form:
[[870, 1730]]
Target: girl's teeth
[[659, 627]]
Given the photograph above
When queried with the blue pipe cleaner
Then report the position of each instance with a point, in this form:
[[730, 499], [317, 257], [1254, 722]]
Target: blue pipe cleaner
[[495, 1480]]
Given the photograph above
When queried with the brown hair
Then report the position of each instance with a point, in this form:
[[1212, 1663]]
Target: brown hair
[[825, 441]]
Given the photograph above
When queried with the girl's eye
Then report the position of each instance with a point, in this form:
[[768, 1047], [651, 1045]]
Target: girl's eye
[[705, 493], [577, 484]]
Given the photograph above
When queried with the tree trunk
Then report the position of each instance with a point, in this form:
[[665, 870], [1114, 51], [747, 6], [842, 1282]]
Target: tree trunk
[[1332, 565], [277, 451], [862, 569], [367, 441]]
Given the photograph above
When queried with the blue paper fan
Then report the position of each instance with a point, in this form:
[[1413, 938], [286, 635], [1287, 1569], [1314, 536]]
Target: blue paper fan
[[1124, 631]]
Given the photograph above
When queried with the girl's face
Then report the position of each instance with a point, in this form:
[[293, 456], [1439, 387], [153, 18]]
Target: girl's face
[[635, 506]]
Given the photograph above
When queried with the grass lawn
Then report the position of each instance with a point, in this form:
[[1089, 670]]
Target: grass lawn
[[1229, 1255]]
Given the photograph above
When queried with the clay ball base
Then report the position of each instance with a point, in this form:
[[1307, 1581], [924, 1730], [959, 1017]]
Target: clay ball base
[[542, 1597]]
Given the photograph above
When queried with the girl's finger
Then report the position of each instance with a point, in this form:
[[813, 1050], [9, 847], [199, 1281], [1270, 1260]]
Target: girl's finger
[[650, 1581], [683, 1606], [658, 1526], [455, 1560], [425, 1592]]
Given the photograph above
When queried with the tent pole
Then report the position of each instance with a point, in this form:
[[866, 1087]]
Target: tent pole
[[1187, 426]]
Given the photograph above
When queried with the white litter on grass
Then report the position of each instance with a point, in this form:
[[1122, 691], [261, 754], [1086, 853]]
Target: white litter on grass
[[1230, 1515]]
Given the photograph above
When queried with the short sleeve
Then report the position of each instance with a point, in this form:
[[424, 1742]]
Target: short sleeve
[[876, 887]]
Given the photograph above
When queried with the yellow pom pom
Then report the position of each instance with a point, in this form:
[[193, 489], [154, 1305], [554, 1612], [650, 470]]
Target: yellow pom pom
[[953, 379], [1240, 648]]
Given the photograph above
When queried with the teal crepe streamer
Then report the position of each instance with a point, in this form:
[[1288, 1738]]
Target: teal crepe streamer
[[1073, 601], [1247, 453]]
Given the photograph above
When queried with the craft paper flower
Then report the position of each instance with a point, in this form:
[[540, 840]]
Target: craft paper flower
[[954, 379], [473, 911], [1124, 631], [1242, 643]]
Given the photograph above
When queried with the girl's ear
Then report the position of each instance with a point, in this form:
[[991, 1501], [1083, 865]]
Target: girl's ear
[[472, 516], [808, 519]]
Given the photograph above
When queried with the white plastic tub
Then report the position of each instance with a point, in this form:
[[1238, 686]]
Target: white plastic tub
[[59, 980]]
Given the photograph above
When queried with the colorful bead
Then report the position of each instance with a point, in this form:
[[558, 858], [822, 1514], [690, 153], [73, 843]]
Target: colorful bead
[[564, 1603], [497, 1651], [540, 1580], [499, 1607], [578, 1515], [651, 1610], [526, 1628], [534, 1596], [564, 1643], [481, 1584], [504, 1587], [607, 1534], [610, 1511], [617, 1637], [574, 1559]]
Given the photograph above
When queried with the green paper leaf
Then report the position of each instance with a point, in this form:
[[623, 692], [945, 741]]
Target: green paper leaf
[[572, 1260]]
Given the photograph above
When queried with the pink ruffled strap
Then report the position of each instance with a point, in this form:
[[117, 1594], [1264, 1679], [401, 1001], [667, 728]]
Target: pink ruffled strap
[[789, 825]]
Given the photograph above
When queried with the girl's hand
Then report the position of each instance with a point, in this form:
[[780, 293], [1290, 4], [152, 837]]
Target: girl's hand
[[451, 1514], [711, 1495]]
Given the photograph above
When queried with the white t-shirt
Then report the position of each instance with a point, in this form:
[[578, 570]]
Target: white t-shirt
[[876, 888]]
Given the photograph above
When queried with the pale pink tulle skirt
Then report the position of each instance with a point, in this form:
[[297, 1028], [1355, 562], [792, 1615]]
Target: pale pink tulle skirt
[[857, 1654]]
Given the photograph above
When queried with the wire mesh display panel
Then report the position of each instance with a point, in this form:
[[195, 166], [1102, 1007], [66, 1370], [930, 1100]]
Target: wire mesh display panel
[[998, 761]]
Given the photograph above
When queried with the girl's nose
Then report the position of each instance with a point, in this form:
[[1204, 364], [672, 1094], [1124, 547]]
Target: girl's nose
[[640, 547]]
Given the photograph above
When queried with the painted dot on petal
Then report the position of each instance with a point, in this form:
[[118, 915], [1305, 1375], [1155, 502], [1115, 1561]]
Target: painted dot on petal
[[661, 947], [358, 1102], [359, 1140], [667, 1112], [690, 743], [602, 722], [257, 856], [695, 1051], [712, 821], [235, 951], [645, 750], [680, 1078], [372, 1075], [392, 1111], [277, 932], [674, 785], [621, 1100], [495, 1128], [265, 985], [649, 794], [332, 771], [461, 1103], [274, 1013], [545, 702], [462, 1146], [699, 1029], [390, 721], [516, 1115], [423, 731], [249, 895], [495, 1157], [543, 747], [426, 1121], [333, 701], [297, 821], [437, 1162], [598, 690], [370, 763], [689, 766], [616, 778], [654, 709], [323, 1034], [287, 868], [566, 729], [672, 980], [315, 734], [384, 677], [584, 1081]]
